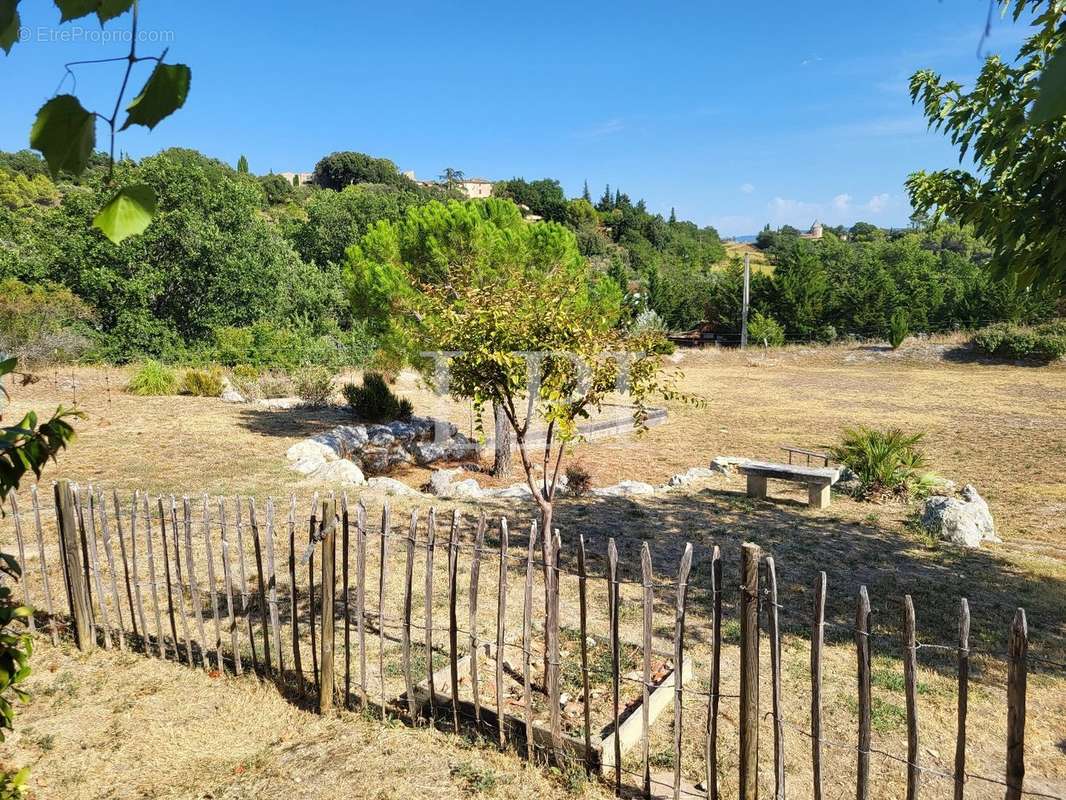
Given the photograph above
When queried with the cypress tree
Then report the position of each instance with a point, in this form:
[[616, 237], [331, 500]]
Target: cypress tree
[[585, 193], [242, 165]]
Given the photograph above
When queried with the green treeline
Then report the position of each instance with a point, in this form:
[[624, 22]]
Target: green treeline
[[245, 269]]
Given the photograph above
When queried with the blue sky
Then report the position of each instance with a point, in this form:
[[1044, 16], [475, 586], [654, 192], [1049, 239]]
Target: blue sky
[[736, 114]]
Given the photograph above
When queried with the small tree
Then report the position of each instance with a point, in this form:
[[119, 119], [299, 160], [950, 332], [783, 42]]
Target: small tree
[[522, 323], [898, 328], [242, 165]]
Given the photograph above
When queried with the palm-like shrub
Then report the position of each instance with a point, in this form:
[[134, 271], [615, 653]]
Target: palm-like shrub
[[888, 463], [153, 379]]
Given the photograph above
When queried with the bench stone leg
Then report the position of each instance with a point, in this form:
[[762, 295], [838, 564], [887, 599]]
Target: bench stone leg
[[818, 495], [757, 487]]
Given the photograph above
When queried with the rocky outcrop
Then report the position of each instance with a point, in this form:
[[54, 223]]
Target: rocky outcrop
[[965, 520], [690, 476], [625, 489], [379, 448]]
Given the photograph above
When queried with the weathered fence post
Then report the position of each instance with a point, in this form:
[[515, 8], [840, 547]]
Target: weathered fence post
[[817, 643], [501, 621], [964, 697], [775, 676], [77, 592], [862, 650], [648, 607], [582, 596], [527, 640], [679, 660], [328, 521], [1017, 654], [453, 620], [613, 598], [910, 682], [749, 672], [408, 598], [475, 582], [716, 674], [431, 543]]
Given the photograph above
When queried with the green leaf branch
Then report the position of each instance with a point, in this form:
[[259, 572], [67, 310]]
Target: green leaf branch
[[64, 131]]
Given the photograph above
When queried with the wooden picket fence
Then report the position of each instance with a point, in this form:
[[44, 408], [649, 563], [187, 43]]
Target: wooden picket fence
[[170, 577]]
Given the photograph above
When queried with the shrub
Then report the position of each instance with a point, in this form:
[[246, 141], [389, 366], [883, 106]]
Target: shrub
[[202, 383], [43, 323], [374, 401], [898, 328], [314, 385], [153, 379], [827, 334], [887, 463], [254, 385], [1046, 342], [764, 329], [578, 480]]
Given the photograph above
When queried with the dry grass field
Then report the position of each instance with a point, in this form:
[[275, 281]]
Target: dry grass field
[[115, 724]]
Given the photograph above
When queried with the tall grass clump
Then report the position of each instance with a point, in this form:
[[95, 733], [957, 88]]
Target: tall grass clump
[[153, 379], [888, 463], [202, 383], [374, 401]]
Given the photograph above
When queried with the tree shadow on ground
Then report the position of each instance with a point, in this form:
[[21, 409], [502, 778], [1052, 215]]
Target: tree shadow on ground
[[303, 421], [890, 562]]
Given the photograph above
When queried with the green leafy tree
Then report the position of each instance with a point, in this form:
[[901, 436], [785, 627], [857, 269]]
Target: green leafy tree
[[277, 190], [242, 166], [338, 170], [64, 131], [801, 287], [1015, 194], [545, 197], [451, 177], [489, 287]]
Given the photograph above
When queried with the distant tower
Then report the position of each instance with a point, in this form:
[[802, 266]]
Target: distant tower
[[815, 232]]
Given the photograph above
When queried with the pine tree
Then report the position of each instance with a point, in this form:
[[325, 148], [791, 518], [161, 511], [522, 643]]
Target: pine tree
[[585, 193], [607, 201], [673, 216], [242, 165]]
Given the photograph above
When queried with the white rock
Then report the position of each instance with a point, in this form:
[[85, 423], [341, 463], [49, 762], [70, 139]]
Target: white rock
[[391, 486], [279, 403], [467, 488], [625, 489], [965, 521], [305, 466], [341, 471], [515, 490], [441, 481], [231, 395], [726, 464], [310, 449], [344, 439], [426, 453], [694, 474]]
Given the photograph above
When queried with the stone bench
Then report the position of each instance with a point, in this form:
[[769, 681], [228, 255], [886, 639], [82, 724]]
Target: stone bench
[[818, 479]]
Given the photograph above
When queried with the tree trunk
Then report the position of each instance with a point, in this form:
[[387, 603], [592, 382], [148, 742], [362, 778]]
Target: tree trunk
[[504, 460]]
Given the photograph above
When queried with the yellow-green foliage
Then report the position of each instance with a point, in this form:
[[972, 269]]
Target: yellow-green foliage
[[153, 379], [202, 383]]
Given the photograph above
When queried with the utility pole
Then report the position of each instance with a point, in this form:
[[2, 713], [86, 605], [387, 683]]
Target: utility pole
[[746, 303]]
